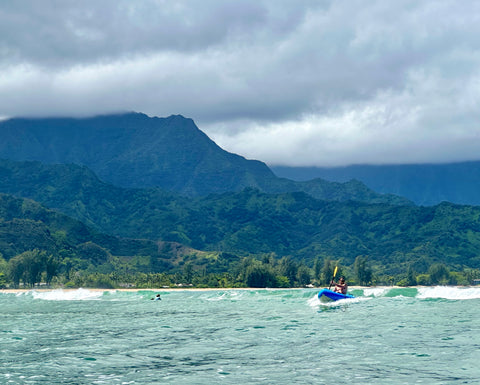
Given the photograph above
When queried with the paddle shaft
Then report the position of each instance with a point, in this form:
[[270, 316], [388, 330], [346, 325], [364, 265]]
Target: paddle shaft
[[334, 274]]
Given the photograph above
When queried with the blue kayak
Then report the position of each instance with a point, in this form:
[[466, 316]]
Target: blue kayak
[[326, 295]]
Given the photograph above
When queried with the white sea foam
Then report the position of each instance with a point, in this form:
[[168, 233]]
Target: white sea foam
[[376, 291], [313, 301], [221, 296], [449, 292], [69, 295]]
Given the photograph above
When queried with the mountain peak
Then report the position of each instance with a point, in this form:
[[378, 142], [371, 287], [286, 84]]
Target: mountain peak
[[133, 150], [137, 151]]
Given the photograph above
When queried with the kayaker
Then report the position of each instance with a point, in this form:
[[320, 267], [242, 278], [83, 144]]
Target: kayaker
[[341, 286], [157, 298]]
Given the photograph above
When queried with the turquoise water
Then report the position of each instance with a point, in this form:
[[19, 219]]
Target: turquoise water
[[384, 336]]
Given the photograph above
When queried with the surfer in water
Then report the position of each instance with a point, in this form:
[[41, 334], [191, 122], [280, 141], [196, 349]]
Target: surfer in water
[[157, 298], [341, 286]]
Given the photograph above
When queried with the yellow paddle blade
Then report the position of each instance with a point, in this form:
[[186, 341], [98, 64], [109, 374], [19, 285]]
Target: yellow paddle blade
[[335, 271]]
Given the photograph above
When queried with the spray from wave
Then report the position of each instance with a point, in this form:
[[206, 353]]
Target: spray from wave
[[434, 292], [449, 292], [68, 295]]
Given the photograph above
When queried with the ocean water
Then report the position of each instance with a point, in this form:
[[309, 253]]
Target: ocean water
[[384, 336]]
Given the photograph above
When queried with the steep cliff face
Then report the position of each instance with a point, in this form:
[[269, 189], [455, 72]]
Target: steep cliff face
[[136, 151]]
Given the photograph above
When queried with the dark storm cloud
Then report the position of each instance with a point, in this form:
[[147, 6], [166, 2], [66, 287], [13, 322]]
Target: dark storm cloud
[[60, 33], [304, 82]]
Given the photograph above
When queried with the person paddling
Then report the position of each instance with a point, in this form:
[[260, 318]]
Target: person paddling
[[157, 298], [341, 286]]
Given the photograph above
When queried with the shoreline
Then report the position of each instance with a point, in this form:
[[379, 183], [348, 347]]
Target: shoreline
[[15, 291], [170, 289]]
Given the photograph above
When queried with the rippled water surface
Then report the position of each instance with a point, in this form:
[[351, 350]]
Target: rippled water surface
[[384, 336]]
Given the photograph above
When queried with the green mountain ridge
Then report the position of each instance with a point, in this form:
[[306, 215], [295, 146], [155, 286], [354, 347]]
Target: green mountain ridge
[[136, 151], [251, 222], [28, 227], [423, 184], [227, 219]]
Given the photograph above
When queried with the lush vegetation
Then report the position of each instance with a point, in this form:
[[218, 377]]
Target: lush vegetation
[[253, 230], [223, 271], [134, 150], [242, 239]]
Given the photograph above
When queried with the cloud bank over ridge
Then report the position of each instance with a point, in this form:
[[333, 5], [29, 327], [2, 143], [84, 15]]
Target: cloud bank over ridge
[[295, 83]]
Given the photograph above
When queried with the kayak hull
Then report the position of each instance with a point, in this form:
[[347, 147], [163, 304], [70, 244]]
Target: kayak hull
[[326, 295]]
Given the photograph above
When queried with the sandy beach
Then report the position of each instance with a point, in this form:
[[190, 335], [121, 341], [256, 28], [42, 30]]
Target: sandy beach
[[171, 289]]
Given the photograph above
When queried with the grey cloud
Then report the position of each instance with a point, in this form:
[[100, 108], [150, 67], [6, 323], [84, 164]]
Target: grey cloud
[[57, 33], [332, 81]]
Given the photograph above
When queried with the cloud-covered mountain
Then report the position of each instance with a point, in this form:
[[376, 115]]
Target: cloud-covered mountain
[[136, 151], [424, 184]]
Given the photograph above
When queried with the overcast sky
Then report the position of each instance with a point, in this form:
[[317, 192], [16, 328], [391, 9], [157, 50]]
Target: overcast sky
[[295, 82]]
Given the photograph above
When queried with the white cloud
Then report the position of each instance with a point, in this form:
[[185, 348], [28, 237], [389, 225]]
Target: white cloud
[[306, 83], [417, 125]]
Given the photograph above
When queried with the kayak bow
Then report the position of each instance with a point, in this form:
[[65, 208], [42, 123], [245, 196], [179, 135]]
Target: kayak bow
[[326, 295]]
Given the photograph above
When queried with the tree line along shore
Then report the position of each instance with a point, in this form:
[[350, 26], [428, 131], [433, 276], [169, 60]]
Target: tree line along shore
[[36, 269]]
